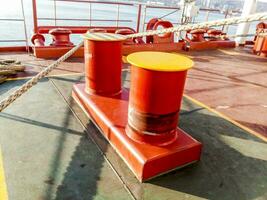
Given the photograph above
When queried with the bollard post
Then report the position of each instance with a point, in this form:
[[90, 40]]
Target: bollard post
[[142, 126], [103, 61], [157, 84]]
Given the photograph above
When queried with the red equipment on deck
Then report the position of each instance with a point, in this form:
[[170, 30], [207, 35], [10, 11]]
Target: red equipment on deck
[[143, 132], [260, 45], [61, 41], [61, 37], [163, 42], [215, 39]]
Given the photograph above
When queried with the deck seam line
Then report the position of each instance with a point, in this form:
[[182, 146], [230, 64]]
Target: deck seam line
[[49, 76], [98, 147], [246, 129]]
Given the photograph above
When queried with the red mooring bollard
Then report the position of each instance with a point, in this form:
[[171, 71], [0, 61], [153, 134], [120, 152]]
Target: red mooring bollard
[[103, 61], [142, 127], [157, 84], [61, 37]]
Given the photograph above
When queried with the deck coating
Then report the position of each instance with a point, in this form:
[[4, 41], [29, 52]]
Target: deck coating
[[51, 149], [229, 81]]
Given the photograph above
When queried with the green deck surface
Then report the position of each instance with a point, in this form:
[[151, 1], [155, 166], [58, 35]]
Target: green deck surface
[[47, 154]]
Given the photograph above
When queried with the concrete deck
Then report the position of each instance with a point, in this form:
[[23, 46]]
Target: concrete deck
[[51, 150]]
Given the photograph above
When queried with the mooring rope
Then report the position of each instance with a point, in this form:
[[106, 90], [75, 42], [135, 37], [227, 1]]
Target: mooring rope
[[228, 21], [25, 87]]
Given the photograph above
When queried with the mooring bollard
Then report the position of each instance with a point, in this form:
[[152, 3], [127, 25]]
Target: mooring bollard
[[157, 84], [140, 126], [61, 37], [103, 61]]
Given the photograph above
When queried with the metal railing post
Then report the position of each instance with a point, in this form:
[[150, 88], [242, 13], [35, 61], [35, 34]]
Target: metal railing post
[[118, 15], [90, 14], [55, 12], [138, 17], [25, 27], [34, 11], [144, 19]]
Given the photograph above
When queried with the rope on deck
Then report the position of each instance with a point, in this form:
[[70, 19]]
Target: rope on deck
[[25, 87]]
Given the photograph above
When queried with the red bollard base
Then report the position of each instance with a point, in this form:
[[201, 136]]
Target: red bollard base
[[145, 160]]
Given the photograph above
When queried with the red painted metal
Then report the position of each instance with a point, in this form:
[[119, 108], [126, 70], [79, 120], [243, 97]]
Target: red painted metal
[[154, 107], [81, 29], [214, 33], [165, 47], [145, 160], [260, 45], [14, 49], [61, 37], [102, 98], [199, 42], [103, 66], [38, 40], [97, 30], [163, 38], [154, 24], [197, 35], [126, 32], [149, 26], [34, 15], [55, 52]]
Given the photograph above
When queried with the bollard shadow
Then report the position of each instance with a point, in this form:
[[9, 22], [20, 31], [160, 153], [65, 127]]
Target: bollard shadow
[[233, 163], [84, 169], [88, 175]]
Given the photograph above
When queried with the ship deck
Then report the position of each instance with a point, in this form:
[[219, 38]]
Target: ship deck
[[52, 150]]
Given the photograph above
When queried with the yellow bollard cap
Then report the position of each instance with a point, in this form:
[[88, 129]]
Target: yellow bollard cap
[[160, 61]]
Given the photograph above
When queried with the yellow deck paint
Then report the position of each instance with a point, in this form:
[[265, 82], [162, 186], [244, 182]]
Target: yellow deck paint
[[248, 130], [3, 187], [160, 61]]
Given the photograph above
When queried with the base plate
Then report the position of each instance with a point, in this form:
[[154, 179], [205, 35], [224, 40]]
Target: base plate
[[145, 160]]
